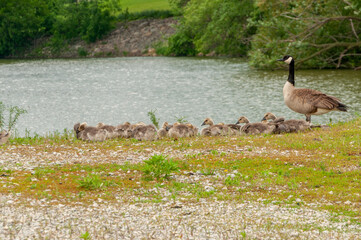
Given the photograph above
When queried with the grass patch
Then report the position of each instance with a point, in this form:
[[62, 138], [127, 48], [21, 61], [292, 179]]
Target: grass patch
[[145, 5], [93, 182]]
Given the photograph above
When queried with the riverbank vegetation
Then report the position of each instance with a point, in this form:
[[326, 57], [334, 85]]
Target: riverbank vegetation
[[315, 169], [318, 34], [322, 34]]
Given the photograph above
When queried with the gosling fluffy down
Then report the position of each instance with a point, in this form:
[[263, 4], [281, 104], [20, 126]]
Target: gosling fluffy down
[[255, 128], [214, 130], [89, 133], [4, 136], [181, 130], [287, 126]]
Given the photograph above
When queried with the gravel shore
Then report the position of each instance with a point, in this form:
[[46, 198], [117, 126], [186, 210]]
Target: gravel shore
[[130, 218], [168, 220]]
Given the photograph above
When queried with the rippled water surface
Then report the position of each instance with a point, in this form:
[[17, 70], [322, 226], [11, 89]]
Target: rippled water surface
[[59, 93]]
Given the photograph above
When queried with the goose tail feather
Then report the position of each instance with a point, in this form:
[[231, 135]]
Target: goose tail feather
[[342, 107]]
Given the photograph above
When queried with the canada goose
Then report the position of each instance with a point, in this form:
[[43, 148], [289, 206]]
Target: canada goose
[[193, 129], [4, 136], [180, 130], [214, 130], [89, 133], [110, 130], [287, 126], [129, 131], [144, 132], [307, 101], [163, 132], [121, 129], [255, 128]]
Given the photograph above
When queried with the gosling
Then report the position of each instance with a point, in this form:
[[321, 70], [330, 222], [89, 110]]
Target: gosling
[[214, 130], [4, 136], [89, 133], [255, 128]]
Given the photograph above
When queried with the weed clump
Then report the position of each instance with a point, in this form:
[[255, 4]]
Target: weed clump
[[93, 182], [159, 167]]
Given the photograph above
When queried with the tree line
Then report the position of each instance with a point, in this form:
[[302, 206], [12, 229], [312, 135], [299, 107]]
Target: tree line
[[22, 21], [318, 33]]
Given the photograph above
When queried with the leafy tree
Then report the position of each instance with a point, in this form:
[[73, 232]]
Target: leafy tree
[[320, 34], [89, 20], [214, 25], [20, 22]]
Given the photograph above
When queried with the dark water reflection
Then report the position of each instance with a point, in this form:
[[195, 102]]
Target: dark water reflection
[[59, 93]]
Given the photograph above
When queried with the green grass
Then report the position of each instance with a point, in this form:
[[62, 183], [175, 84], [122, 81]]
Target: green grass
[[145, 5]]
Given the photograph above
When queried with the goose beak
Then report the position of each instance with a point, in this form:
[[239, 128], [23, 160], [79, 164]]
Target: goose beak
[[281, 60], [237, 122], [264, 119], [203, 124]]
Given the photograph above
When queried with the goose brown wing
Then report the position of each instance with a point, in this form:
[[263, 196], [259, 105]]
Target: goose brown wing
[[317, 99]]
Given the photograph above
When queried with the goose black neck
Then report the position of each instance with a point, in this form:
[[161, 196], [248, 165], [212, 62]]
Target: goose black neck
[[291, 74]]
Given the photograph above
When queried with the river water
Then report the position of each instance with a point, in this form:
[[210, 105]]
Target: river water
[[59, 93]]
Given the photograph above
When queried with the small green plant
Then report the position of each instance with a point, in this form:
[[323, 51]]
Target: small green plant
[[7, 171], [153, 118], [92, 182], [39, 172], [85, 236], [14, 114], [159, 167], [181, 119], [323, 167]]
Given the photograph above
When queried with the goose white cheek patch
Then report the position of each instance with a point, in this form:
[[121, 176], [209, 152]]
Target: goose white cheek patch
[[288, 61]]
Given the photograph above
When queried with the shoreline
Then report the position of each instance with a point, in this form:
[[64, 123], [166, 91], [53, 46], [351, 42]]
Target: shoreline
[[312, 175]]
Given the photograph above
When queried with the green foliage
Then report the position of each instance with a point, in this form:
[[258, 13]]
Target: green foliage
[[153, 118], [93, 182], [178, 5], [213, 26], [20, 22], [89, 20], [159, 167], [147, 14], [13, 116], [2, 116], [181, 119], [318, 34], [181, 44], [85, 236]]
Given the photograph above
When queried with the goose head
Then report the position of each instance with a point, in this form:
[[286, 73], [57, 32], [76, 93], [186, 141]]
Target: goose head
[[208, 121], [287, 59], [78, 127], [4, 133], [268, 116], [242, 119]]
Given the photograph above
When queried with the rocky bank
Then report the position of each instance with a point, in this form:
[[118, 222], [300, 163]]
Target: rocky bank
[[134, 38]]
